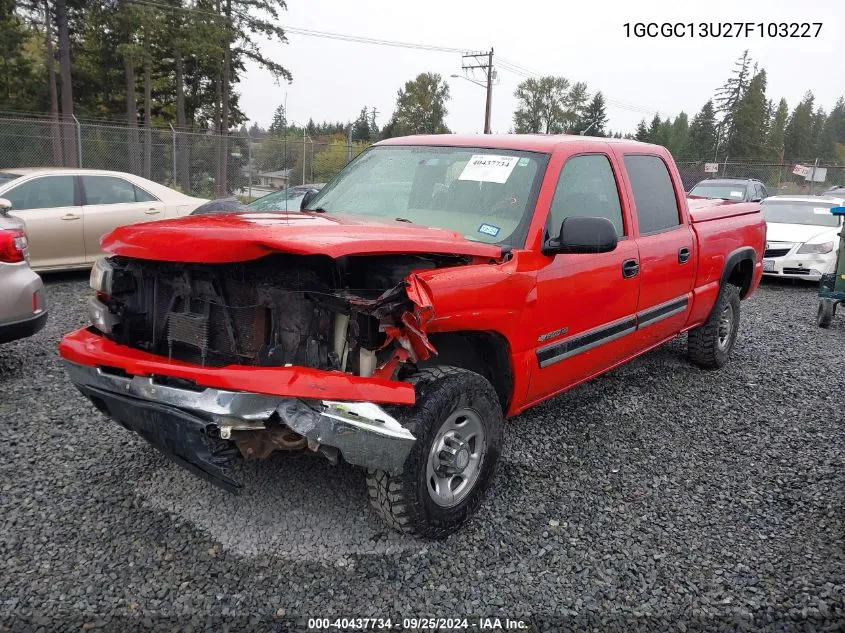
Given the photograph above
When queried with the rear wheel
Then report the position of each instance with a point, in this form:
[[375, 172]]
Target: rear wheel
[[457, 420], [827, 310], [709, 345]]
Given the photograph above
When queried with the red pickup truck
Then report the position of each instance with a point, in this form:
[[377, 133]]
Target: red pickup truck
[[436, 286]]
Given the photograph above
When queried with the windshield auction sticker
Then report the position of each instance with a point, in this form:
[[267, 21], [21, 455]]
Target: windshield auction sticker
[[489, 168]]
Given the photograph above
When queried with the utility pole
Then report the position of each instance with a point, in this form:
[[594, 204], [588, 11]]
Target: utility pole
[[482, 61], [812, 177]]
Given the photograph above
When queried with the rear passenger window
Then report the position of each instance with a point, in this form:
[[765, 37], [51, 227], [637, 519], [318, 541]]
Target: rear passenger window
[[654, 195], [586, 188], [143, 196], [107, 190]]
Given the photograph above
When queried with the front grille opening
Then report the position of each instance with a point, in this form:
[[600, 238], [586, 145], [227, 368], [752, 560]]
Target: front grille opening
[[240, 315], [776, 252], [178, 383], [114, 371], [217, 334]]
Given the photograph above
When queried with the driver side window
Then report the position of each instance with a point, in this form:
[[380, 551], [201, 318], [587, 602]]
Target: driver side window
[[586, 188]]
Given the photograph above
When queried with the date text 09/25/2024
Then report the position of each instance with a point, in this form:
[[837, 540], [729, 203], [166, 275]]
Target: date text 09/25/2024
[[723, 29], [418, 624]]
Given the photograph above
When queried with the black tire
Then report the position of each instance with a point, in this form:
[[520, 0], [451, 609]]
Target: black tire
[[827, 310], [709, 345], [404, 500]]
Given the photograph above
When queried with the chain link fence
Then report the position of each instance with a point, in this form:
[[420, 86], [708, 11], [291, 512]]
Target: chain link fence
[[776, 175], [197, 163], [211, 165]]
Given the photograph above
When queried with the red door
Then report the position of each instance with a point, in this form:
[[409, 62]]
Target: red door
[[666, 247], [586, 303], [586, 317]]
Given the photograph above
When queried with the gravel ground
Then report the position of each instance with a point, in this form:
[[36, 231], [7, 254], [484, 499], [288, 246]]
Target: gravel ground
[[658, 497]]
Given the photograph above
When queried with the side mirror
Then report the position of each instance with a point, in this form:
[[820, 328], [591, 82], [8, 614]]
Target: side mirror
[[583, 235], [308, 197], [756, 199], [833, 210], [5, 205]]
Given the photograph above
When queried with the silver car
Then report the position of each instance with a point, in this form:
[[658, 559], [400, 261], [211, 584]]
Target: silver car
[[23, 309]]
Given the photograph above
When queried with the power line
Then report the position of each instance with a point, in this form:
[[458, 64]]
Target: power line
[[527, 73], [508, 65], [371, 40]]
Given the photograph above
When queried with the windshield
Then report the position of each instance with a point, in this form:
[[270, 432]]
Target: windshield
[[486, 195], [791, 212], [723, 191], [284, 200]]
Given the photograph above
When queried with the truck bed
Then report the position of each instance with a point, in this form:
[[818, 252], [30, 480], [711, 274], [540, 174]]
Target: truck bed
[[707, 209]]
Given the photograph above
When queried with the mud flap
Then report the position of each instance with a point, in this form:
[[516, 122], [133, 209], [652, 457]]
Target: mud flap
[[184, 438]]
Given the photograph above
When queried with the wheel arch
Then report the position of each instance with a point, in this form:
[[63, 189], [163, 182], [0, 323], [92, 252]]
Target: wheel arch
[[485, 352], [739, 269]]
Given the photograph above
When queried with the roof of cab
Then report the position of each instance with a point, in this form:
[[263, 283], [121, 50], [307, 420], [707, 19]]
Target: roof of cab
[[545, 143]]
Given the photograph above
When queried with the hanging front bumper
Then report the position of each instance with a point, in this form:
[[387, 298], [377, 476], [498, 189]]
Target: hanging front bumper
[[194, 426]]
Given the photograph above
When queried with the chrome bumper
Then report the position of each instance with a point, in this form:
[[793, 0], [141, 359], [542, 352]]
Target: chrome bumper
[[363, 432]]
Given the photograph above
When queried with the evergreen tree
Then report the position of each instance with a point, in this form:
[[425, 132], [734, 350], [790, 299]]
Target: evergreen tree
[[659, 131], [824, 139], [679, 134], [776, 130], [595, 116], [702, 133], [642, 132], [747, 134], [731, 92], [798, 135], [836, 121], [280, 121], [664, 134], [361, 130]]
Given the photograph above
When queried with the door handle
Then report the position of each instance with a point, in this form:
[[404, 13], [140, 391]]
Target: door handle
[[683, 255], [152, 211], [70, 216], [630, 268]]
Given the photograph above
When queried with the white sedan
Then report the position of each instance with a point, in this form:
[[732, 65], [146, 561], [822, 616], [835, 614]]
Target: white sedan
[[67, 211], [802, 236]]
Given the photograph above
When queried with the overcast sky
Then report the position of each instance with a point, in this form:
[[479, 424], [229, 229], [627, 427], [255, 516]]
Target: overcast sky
[[581, 40]]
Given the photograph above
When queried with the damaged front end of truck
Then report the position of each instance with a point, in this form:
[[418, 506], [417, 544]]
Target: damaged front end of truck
[[287, 352]]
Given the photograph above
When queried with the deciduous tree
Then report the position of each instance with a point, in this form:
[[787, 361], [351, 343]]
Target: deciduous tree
[[542, 105], [421, 106]]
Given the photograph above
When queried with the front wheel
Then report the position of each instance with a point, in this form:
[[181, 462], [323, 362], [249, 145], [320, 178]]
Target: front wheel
[[827, 310], [457, 420], [709, 345]]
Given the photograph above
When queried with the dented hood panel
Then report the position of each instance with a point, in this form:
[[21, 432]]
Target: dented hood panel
[[247, 236]]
